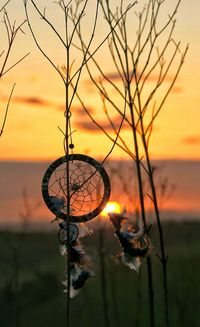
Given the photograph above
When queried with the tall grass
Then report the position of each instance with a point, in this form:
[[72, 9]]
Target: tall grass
[[41, 272]]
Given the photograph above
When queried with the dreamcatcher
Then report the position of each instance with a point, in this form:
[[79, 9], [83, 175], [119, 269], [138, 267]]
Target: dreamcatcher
[[86, 188], [75, 188]]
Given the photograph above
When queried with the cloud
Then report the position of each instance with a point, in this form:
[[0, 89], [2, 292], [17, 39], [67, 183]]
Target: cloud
[[177, 89], [115, 77], [28, 100], [38, 101], [83, 122], [60, 107], [41, 102], [90, 126], [191, 140], [86, 125], [35, 101], [80, 112]]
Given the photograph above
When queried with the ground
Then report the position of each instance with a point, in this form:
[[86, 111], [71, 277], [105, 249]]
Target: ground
[[32, 270]]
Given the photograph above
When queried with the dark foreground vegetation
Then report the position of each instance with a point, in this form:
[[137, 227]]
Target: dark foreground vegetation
[[32, 270]]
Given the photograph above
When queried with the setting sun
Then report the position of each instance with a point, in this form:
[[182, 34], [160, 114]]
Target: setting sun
[[111, 207]]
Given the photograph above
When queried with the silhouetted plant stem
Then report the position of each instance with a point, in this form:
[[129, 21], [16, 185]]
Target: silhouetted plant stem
[[145, 141], [67, 129], [13, 284], [155, 203], [3, 7], [141, 197], [16, 288], [104, 287], [113, 286], [15, 246], [138, 299], [163, 257], [116, 317], [68, 212], [6, 113]]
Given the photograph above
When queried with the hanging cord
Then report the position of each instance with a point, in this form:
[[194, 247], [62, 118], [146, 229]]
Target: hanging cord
[[69, 136], [67, 147], [71, 144]]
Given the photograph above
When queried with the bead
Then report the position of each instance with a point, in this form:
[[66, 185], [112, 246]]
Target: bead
[[71, 146]]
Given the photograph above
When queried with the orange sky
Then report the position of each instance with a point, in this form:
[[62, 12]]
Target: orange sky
[[36, 109]]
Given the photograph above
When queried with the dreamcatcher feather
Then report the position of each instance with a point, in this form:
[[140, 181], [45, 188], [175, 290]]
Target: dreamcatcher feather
[[135, 245], [80, 263]]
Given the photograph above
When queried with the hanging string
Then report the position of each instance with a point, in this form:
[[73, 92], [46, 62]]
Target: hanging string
[[69, 136], [67, 116]]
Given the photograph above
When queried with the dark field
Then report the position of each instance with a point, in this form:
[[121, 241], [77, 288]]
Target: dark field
[[32, 270]]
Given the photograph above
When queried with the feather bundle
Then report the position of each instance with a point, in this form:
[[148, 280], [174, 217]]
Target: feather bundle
[[135, 245], [76, 253], [78, 278], [80, 263], [117, 218], [84, 230]]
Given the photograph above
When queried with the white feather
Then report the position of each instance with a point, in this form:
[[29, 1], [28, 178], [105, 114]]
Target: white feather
[[141, 231], [63, 250], [73, 292], [137, 235], [133, 263], [84, 230], [74, 274]]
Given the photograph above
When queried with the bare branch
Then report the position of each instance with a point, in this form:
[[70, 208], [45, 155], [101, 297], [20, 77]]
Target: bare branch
[[15, 64], [12, 32], [43, 16], [6, 113], [91, 55], [37, 43], [86, 52], [103, 130], [2, 8], [169, 89]]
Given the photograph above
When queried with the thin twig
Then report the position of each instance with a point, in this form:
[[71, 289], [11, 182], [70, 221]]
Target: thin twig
[[15, 64], [6, 113], [2, 8], [12, 31]]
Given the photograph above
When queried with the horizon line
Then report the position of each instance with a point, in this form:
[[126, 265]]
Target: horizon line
[[51, 159]]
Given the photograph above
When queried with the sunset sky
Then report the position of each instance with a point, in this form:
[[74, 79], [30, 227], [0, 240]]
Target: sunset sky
[[37, 106]]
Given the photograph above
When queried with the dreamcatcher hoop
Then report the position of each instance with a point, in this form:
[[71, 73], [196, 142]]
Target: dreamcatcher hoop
[[89, 187]]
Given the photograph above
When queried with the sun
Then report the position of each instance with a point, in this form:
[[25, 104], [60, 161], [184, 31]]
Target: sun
[[111, 207]]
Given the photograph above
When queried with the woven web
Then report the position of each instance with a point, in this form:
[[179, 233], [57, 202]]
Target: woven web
[[86, 188]]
